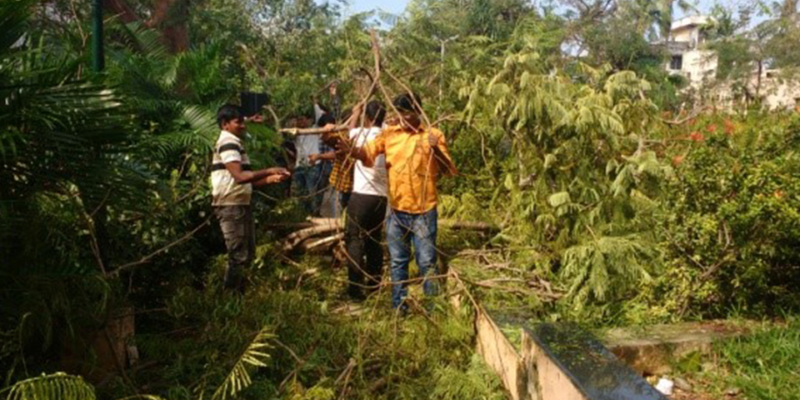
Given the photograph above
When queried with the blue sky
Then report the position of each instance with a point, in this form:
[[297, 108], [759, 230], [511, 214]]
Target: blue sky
[[397, 6], [392, 6]]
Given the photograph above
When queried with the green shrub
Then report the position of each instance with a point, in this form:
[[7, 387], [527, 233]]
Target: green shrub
[[731, 222]]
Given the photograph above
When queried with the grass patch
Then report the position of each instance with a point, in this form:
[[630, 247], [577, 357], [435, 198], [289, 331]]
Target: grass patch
[[764, 365], [324, 348]]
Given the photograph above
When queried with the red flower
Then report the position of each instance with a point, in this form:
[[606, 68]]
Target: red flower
[[677, 160], [711, 128], [730, 128], [697, 136]]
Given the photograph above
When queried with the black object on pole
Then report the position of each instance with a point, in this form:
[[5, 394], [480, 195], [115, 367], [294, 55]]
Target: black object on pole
[[253, 103], [98, 57]]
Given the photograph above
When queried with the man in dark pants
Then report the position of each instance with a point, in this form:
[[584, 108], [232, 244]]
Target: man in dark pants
[[232, 180], [415, 156], [366, 210]]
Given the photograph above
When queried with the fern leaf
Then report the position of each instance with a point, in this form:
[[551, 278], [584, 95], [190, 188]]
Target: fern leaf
[[606, 262]]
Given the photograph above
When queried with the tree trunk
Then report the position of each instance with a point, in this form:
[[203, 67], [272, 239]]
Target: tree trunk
[[169, 17], [789, 10]]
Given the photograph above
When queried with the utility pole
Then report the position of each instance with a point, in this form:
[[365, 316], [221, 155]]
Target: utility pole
[[98, 57], [443, 42]]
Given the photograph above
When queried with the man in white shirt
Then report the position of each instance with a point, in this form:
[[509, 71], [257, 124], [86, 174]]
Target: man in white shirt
[[366, 210], [232, 180], [306, 173]]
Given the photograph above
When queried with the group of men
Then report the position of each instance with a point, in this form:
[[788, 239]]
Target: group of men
[[380, 163]]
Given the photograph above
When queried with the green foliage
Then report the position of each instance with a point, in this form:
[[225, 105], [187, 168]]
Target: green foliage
[[477, 382], [100, 170], [319, 349], [750, 39], [239, 377], [572, 190], [731, 227], [593, 266], [58, 386], [763, 365], [105, 174]]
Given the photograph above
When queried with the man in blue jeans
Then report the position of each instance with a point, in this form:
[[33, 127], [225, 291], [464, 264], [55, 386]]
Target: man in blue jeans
[[415, 157]]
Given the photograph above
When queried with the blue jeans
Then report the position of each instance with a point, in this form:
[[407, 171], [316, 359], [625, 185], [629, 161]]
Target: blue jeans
[[304, 187], [402, 230], [323, 169]]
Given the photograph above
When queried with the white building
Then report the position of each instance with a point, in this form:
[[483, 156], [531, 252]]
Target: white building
[[687, 56], [690, 59]]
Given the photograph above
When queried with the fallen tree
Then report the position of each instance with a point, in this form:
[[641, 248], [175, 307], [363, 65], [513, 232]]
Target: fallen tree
[[326, 232]]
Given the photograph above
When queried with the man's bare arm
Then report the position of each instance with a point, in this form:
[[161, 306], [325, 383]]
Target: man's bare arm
[[272, 179], [445, 164], [360, 154], [241, 176], [329, 156], [355, 117]]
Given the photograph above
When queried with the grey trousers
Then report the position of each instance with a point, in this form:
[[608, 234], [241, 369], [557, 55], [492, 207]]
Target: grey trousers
[[238, 228]]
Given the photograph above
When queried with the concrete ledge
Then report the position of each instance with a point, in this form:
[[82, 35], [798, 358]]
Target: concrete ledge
[[556, 362], [572, 364], [652, 350], [499, 353]]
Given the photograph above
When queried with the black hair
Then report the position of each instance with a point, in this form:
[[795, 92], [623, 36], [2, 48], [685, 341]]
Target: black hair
[[375, 112], [326, 119], [228, 113], [409, 102]]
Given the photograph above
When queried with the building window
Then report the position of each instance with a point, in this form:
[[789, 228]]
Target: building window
[[676, 63]]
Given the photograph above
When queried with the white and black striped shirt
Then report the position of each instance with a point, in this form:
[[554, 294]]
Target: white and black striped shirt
[[224, 189]]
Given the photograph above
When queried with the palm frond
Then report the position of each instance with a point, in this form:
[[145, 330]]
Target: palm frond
[[137, 38], [58, 386], [253, 357], [198, 132], [203, 122]]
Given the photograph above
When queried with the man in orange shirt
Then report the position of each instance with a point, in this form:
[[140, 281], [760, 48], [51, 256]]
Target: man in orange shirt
[[416, 156]]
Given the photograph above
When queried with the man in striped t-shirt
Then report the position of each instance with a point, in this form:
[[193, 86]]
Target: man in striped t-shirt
[[232, 180]]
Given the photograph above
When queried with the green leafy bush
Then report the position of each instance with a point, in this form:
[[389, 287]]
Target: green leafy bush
[[731, 222]]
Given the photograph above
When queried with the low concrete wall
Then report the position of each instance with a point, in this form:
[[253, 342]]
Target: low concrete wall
[[500, 354], [652, 350], [556, 362], [546, 379]]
